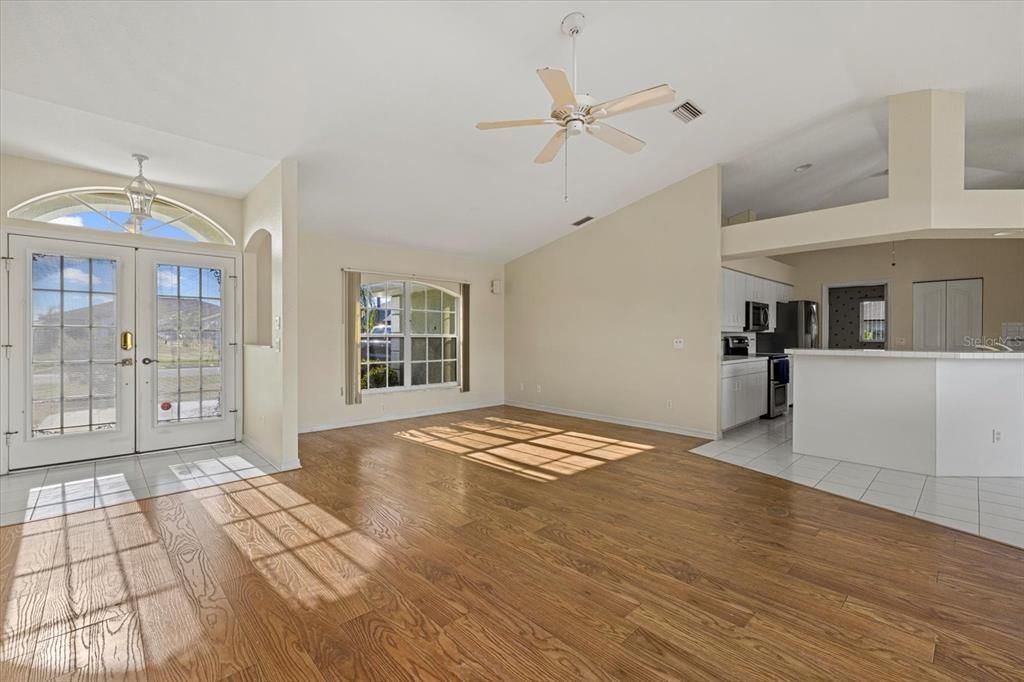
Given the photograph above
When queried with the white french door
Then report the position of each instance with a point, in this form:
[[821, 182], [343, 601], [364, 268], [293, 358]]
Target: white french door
[[116, 350], [185, 372]]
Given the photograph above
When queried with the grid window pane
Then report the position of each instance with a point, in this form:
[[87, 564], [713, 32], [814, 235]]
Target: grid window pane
[[433, 322], [76, 309], [45, 272], [46, 417], [434, 349], [104, 311], [167, 280], [190, 349], [46, 344], [418, 297], [396, 313], [104, 344], [188, 282], [76, 274], [76, 380], [46, 381], [74, 337], [418, 322], [396, 371], [46, 308], [419, 348], [104, 276], [77, 344], [104, 381], [419, 373], [377, 376], [433, 372], [211, 282]]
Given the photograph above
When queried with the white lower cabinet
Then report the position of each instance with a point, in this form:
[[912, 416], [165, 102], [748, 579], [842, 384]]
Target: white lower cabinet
[[744, 392]]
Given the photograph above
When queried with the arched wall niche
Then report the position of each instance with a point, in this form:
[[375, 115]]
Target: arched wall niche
[[257, 315]]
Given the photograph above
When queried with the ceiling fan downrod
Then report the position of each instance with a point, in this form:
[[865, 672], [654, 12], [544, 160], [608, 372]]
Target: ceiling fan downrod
[[572, 26]]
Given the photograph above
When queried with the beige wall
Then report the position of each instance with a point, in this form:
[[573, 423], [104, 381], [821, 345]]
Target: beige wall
[[999, 261], [590, 318], [269, 415], [321, 370], [23, 179]]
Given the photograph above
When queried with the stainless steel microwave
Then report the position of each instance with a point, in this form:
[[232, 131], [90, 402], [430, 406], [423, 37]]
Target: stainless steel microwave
[[757, 317]]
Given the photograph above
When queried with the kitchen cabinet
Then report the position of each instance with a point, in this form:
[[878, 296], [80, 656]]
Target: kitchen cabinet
[[744, 392], [733, 300], [739, 287]]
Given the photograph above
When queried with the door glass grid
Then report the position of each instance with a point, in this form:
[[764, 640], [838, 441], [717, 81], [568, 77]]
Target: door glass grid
[[73, 345], [189, 344]]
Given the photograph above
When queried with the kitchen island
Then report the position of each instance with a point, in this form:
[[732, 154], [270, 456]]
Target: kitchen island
[[935, 413]]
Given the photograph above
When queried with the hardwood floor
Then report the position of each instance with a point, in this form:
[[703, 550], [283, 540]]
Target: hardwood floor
[[505, 544]]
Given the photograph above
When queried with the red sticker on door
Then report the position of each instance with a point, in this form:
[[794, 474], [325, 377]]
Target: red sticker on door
[[165, 406]]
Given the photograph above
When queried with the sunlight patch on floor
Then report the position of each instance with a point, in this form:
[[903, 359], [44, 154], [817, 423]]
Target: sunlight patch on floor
[[539, 453]]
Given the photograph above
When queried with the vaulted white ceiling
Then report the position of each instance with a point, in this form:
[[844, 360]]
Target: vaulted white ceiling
[[378, 101]]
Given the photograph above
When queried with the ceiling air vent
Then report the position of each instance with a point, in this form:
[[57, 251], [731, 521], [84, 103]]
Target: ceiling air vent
[[687, 112], [584, 219]]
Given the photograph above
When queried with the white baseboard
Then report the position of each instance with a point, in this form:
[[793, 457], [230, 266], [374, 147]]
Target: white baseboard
[[390, 417], [639, 423]]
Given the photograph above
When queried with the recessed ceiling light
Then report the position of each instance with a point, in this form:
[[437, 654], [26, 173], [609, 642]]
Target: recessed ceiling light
[[802, 167]]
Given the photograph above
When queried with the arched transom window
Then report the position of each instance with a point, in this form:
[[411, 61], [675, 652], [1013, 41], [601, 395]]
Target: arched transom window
[[106, 208]]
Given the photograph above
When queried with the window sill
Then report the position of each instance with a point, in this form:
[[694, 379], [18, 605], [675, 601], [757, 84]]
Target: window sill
[[406, 389]]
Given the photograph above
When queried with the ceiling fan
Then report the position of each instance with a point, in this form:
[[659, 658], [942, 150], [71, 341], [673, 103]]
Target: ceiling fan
[[575, 113]]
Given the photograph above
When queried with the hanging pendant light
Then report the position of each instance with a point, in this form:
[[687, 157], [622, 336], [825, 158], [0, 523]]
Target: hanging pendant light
[[140, 193]]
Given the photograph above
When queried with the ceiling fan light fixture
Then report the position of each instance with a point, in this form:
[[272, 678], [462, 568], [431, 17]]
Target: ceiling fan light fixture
[[140, 194]]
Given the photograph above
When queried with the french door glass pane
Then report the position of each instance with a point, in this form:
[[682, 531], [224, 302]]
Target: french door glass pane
[[189, 345], [74, 336]]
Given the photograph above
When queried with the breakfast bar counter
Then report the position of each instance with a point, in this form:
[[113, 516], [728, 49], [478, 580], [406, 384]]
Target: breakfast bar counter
[[935, 413]]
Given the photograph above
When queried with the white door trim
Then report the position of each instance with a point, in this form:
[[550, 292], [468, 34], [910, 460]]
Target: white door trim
[[823, 317]]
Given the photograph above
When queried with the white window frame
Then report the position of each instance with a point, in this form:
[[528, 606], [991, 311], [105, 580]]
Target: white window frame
[[884, 320], [407, 336]]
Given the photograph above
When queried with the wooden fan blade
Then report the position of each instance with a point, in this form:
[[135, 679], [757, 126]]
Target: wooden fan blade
[[552, 148], [557, 84], [492, 125], [659, 94], [616, 138]]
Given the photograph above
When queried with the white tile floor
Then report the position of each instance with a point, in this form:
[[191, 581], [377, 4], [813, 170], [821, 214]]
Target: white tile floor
[[990, 507], [43, 493]]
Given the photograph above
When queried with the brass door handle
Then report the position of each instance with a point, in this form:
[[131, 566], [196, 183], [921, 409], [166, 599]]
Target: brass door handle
[[127, 340]]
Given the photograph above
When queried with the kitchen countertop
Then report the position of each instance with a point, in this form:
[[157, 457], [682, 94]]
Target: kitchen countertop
[[910, 354], [730, 359]]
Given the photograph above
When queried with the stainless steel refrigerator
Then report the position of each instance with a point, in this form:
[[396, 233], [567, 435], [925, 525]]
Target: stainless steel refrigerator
[[796, 326]]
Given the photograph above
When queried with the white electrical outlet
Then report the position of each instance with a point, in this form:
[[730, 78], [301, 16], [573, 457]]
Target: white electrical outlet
[[677, 344], [522, 387], [996, 435], [668, 404], [538, 388]]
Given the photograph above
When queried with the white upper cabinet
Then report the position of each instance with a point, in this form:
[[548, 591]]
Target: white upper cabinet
[[733, 296], [739, 287]]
